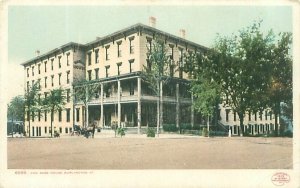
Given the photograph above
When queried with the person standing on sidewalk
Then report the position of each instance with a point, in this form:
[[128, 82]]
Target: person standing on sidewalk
[[94, 126]]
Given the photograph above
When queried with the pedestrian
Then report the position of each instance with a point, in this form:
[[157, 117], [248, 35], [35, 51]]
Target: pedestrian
[[94, 125]]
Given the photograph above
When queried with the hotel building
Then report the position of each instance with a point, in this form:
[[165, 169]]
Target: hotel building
[[113, 64]]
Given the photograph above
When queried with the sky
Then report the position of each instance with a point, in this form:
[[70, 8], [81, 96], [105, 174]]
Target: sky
[[44, 28]]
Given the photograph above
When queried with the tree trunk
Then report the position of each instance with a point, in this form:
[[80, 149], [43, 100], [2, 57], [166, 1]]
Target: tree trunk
[[207, 125], [52, 114], [241, 116], [158, 109], [277, 113], [12, 135], [161, 104], [29, 130]]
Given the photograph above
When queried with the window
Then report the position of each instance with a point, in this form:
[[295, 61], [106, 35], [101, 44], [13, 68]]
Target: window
[[68, 75], [70, 129], [45, 63], [52, 80], [68, 114], [59, 62], [68, 63], [119, 50], [130, 65], [255, 116], [66, 130], [106, 70], [28, 116], [32, 83], [45, 130], [260, 115], [39, 68], [106, 52], [266, 115], [131, 88], [171, 51], [97, 73], [68, 95], [60, 130], [45, 115], [96, 56], [234, 116], [32, 116], [45, 82], [77, 114], [118, 65], [32, 131], [46, 94], [149, 45], [52, 64], [249, 116], [32, 70], [59, 115], [39, 99], [271, 115], [90, 75], [131, 48], [227, 114], [39, 115], [59, 78], [27, 85], [27, 72], [89, 58]]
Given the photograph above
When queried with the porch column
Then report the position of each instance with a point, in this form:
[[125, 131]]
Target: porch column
[[101, 103], [177, 105], [87, 106], [119, 103], [139, 105], [192, 110]]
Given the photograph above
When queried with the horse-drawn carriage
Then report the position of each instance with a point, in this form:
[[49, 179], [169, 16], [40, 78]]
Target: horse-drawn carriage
[[85, 131]]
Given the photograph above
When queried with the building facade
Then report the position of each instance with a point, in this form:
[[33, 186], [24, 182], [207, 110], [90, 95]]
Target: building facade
[[113, 64]]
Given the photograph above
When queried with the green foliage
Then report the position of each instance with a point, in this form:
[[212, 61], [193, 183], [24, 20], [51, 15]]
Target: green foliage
[[55, 101], [159, 70], [170, 128], [15, 110], [150, 132], [185, 126], [121, 131], [31, 101]]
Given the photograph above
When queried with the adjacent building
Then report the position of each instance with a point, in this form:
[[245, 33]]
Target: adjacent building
[[113, 64]]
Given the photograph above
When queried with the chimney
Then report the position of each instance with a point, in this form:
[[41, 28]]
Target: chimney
[[152, 21], [37, 53], [182, 33]]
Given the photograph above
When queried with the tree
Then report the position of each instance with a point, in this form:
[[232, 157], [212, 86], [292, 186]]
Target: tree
[[31, 101], [54, 102], [241, 67], [157, 73], [84, 91], [207, 97], [15, 110], [281, 87]]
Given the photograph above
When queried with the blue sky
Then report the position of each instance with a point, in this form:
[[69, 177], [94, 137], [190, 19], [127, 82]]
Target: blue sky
[[47, 27]]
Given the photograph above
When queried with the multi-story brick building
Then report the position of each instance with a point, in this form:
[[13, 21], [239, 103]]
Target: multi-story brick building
[[114, 63]]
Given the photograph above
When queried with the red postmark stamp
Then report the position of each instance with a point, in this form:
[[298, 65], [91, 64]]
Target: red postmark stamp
[[280, 178]]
